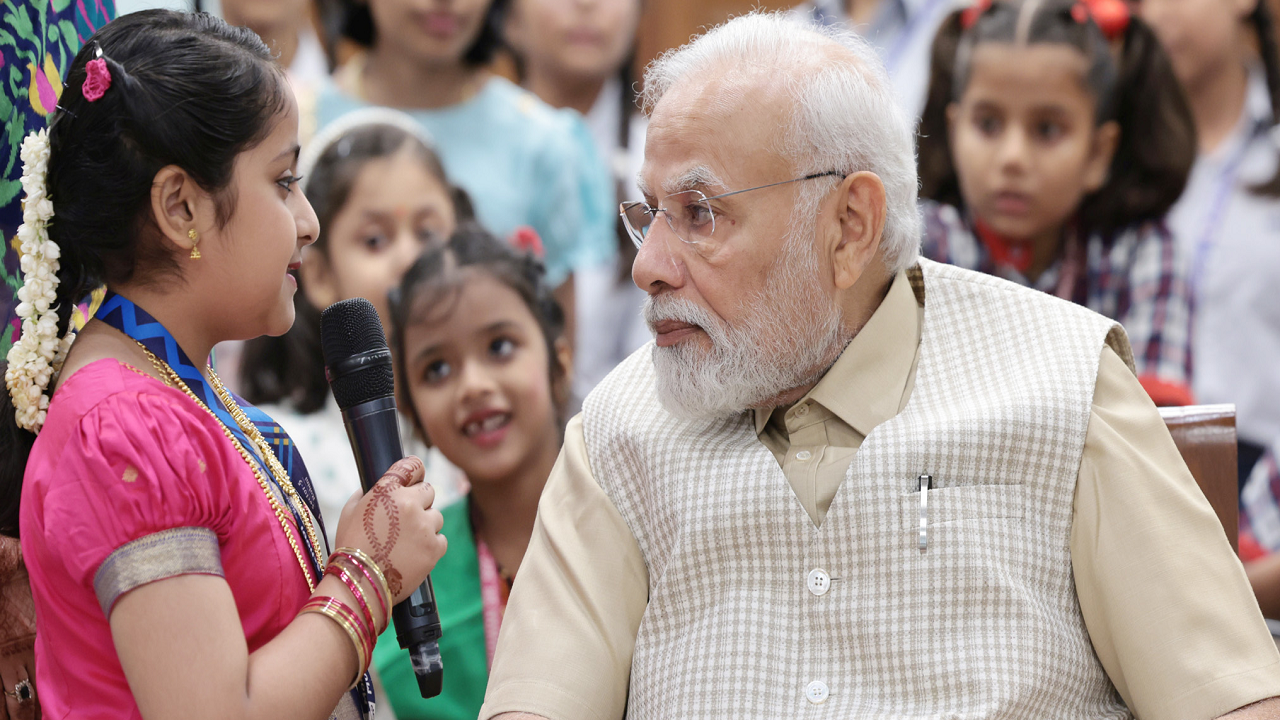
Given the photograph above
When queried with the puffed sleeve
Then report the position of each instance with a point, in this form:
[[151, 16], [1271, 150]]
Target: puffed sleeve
[[142, 493]]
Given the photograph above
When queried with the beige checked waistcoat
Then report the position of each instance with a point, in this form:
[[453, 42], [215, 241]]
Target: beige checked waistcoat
[[755, 613]]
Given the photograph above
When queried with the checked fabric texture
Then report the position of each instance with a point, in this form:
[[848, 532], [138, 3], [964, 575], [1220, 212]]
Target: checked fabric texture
[[984, 623]]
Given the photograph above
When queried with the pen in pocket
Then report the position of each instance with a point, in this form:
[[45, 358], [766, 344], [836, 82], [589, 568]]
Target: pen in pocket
[[926, 482]]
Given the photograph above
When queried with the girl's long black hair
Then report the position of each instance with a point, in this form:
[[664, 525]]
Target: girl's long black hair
[[1264, 25], [186, 90]]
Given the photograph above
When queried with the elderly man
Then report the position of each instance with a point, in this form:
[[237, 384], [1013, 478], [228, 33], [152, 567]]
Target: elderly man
[[846, 482]]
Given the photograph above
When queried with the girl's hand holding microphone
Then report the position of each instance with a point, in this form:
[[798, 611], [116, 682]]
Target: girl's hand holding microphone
[[396, 525], [388, 541]]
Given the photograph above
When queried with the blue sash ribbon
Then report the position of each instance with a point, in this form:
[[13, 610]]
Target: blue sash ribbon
[[122, 314]]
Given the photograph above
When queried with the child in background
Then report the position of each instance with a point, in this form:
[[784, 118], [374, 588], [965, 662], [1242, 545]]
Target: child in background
[[523, 163], [381, 197], [1228, 220], [478, 340], [578, 54], [1054, 141], [899, 30], [287, 27], [289, 30], [162, 519]]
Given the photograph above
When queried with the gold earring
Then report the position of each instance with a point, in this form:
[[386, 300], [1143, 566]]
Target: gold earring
[[195, 239]]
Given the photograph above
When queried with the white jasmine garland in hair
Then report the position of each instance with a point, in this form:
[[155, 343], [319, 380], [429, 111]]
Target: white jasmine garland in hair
[[37, 356]]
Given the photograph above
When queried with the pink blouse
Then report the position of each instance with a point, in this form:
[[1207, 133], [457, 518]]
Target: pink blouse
[[131, 482]]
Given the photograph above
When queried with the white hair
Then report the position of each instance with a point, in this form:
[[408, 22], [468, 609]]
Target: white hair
[[845, 116]]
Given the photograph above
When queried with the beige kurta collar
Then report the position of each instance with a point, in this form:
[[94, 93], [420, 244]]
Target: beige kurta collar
[[864, 387]]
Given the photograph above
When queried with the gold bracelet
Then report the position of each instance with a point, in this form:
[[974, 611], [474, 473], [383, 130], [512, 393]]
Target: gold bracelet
[[363, 557], [343, 563], [328, 607]]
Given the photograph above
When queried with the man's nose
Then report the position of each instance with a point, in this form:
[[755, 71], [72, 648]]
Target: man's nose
[[658, 263]]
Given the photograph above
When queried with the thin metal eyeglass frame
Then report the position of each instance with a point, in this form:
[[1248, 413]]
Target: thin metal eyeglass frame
[[637, 239]]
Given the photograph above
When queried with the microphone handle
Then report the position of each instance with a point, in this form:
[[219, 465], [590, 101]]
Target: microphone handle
[[374, 430]]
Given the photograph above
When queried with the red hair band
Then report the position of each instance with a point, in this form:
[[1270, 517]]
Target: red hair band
[[1111, 16]]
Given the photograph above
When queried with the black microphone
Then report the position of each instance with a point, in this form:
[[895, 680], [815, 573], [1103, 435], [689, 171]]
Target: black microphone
[[358, 366]]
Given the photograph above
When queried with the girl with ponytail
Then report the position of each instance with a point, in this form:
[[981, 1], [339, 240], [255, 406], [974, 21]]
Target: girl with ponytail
[[177, 560], [1228, 220], [1054, 140]]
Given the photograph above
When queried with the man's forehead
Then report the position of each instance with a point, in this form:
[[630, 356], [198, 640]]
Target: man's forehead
[[712, 130]]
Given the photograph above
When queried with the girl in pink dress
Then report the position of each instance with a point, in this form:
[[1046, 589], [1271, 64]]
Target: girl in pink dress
[[177, 559]]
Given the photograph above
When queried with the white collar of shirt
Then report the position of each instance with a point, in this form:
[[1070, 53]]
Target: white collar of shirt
[[603, 117], [309, 62], [1257, 102], [602, 121]]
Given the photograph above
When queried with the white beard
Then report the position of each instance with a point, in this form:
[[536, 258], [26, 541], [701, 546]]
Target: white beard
[[791, 333]]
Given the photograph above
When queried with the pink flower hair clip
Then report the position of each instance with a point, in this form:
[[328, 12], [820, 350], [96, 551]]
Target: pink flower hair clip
[[526, 239], [97, 78]]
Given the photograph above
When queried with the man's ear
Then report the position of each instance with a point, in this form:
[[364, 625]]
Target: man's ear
[[179, 205], [861, 212], [318, 280]]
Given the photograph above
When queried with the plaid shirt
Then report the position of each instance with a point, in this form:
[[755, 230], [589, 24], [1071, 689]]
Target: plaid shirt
[[1136, 278], [1259, 511]]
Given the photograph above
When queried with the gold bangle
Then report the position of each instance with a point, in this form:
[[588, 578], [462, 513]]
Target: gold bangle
[[363, 557], [363, 579], [325, 606]]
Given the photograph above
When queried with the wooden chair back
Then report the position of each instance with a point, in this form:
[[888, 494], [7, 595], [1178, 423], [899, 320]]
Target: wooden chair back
[[1206, 437]]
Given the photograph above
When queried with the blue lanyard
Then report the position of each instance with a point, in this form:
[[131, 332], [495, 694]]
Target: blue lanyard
[[1227, 181], [122, 314]]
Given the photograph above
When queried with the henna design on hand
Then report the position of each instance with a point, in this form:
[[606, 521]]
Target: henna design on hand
[[404, 469], [18, 646], [10, 558], [380, 497], [17, 611]]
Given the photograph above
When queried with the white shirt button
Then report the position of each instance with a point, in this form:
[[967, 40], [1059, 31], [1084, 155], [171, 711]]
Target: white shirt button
[[802, 410], [803, 455], [817, 692], [818, 582]]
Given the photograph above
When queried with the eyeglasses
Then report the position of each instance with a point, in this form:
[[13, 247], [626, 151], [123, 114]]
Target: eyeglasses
[[688, 213]]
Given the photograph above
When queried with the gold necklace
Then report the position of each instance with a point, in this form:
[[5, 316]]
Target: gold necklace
[[171, 378], [273, 462]]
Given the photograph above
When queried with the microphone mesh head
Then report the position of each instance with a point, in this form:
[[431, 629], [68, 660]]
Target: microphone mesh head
[[347, 328]]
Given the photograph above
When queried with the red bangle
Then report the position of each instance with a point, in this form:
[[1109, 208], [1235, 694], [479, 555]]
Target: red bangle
[[335, 605], [383, 600], [365, 631], [345, 617], [342, 574]]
